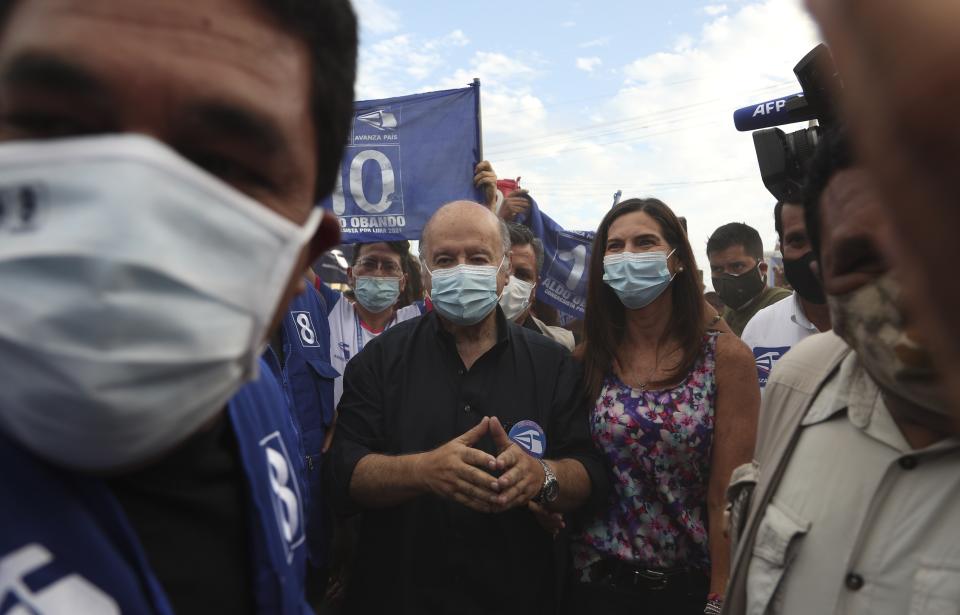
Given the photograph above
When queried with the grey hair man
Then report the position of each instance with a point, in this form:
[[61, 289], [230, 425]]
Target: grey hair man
[[449, 501]]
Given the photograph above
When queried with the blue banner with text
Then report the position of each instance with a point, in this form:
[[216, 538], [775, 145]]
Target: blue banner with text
[[566, 264], [405, 157]]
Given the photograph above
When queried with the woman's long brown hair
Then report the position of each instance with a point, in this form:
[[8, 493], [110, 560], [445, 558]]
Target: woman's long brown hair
[[604, 325]]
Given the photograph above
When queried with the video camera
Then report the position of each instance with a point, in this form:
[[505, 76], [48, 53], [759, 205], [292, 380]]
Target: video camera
[[783, 157]]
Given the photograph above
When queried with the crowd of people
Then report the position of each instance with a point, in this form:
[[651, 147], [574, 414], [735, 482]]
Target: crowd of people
[[193, 421]]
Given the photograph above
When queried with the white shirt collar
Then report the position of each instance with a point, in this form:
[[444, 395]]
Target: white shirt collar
[[798, 316]]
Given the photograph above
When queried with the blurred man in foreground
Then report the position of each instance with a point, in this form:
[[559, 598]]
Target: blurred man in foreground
[[901, 92], [150, 152]]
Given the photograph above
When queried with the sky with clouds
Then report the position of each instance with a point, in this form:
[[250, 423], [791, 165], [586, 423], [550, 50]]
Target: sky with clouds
[[582, 99]]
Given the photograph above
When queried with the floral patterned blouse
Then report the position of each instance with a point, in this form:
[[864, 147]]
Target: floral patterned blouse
[[657, 445]]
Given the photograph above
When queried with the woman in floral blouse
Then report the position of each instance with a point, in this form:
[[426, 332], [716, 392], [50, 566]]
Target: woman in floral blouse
[[674, 406]]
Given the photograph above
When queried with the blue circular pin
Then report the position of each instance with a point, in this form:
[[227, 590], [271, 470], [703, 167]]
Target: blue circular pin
[[530, 437]]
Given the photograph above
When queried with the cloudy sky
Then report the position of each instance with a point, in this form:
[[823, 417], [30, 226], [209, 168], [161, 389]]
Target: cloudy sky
[[581, 99]]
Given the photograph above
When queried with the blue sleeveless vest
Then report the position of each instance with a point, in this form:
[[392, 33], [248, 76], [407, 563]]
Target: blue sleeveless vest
[[66, 545], [307, 379]]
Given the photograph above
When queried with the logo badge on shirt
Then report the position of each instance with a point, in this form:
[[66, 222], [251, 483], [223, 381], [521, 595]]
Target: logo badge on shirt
[[344, 351], [286, 493], [308, 333], [766, 358], [530, 437]]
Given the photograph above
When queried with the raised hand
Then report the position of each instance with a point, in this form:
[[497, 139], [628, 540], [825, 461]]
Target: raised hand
[[516, 204], [486, 179]]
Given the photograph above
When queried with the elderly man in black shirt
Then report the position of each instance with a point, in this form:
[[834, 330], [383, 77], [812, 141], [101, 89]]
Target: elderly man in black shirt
[[447, 498]]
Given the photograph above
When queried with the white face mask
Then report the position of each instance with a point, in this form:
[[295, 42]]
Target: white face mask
[[515, 298], [135, 293]]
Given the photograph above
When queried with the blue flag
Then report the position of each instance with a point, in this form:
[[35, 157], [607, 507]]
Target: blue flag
[[405, 157], [566, 264]]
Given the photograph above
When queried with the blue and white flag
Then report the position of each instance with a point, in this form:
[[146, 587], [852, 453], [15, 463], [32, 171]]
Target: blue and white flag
[[566, 264], [405, 157]]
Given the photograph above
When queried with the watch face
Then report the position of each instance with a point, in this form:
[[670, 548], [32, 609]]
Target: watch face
[[551, 490]]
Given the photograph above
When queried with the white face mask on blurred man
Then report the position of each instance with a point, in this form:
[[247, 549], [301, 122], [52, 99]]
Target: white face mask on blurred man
[[124, 330]]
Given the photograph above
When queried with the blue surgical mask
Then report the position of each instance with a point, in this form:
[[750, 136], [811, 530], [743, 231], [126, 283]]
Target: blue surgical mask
[[377, 294], [638, 278], [465, 294]]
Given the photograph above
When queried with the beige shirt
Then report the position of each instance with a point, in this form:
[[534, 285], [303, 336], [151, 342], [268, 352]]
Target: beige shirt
[[860, 522], [558, 334]]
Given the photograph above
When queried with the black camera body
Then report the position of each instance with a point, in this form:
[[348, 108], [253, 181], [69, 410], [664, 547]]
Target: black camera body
[[783, 157]]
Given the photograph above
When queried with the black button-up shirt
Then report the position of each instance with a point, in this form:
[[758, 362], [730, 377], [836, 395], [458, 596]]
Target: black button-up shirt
[[408, 392]]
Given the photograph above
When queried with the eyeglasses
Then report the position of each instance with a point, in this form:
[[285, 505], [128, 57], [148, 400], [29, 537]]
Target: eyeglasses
[[371, 264]]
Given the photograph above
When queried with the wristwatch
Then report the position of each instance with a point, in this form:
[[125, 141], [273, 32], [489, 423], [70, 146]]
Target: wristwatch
[[551, 486]]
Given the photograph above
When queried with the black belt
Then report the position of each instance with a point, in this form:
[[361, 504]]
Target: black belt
[[618, 573]]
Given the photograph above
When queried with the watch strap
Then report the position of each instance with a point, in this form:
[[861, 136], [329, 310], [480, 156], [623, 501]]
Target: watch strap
[[548, 477]]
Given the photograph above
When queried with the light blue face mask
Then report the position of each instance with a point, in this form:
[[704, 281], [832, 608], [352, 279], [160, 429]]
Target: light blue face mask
[[377, 294], [465, 294], [638, 278]]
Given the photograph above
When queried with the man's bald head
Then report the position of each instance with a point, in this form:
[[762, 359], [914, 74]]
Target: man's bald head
[[463, 215], [465, 233]]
